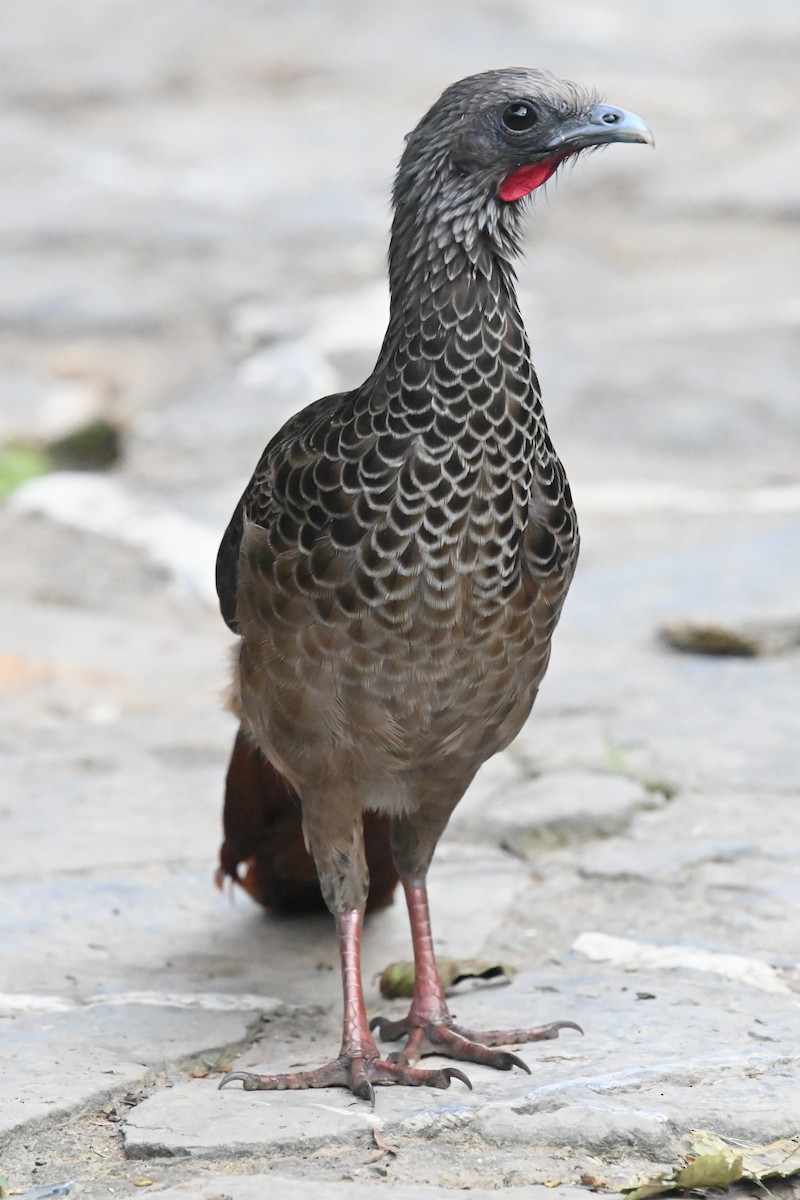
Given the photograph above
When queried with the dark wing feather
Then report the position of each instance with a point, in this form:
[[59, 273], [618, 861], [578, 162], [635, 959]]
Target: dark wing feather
[[259, 503]]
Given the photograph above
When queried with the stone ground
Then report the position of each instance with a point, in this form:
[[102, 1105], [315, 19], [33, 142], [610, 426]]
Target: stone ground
[[194, 219]]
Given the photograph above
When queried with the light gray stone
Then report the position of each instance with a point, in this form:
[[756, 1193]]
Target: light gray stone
[[547, 811], [66, 1061], [646, 1072], [624, 860], [256, 1187], [197, 1119], [184, 549]]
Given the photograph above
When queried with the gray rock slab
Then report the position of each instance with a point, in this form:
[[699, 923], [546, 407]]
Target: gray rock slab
[[716, 868], [37, 548], [621, 859], [182, 548], [662, 715], [63, 1062], [88, 652], [727, 834], [536, 812], [168, 927], [75, 946], [188, 1120], [692, 1055], [256, 1187]]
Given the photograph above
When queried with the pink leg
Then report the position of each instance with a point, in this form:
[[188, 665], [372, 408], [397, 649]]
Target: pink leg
[[359, 1065], [429, 1026]]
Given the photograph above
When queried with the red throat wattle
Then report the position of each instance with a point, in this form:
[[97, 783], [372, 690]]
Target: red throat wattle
[[526, 179]]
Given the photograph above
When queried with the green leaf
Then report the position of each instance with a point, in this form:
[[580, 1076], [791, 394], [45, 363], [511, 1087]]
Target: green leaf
[[398, 978], [717, 1169], [709, 1162], [18, 463]]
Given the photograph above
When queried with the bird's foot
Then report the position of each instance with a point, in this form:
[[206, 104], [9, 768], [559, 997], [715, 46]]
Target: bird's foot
[[468, 1045], [360, 1074]]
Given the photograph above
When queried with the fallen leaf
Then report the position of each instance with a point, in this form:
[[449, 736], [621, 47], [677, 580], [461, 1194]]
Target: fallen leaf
[[18, 463], [383, 1146], [203, 1067], [398, 978], [778, 1159], [95, 446], [711, 1162], [552, 1183], [143, 1182], [705, 1171], [588, 1180], [716, 640], [713, 1168]]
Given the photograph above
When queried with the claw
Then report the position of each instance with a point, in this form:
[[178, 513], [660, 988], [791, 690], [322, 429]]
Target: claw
[[388, 1031], [454, 1073], [513, 1060], [246, 1077], [546, 1033], [365, 1091]]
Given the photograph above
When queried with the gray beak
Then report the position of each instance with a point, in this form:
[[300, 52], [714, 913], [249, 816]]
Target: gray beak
[[605, 124]]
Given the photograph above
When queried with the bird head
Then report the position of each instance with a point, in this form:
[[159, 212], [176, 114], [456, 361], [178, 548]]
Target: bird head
[[493, 138]]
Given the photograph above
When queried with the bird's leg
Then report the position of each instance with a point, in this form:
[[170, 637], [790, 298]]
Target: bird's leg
[[429, 1026], [359, 1066]]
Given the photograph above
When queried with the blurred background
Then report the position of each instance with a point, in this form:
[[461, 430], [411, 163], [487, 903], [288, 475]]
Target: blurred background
[[194, 220], [195, 215]]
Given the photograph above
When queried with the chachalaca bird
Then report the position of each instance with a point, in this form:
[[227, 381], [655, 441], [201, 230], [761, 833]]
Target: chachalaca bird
[[398, 562]]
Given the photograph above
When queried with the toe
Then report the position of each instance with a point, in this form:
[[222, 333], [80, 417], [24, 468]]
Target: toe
[[389, 1031]]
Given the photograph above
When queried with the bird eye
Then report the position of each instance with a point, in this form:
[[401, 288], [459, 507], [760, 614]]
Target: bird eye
[[519, 116]]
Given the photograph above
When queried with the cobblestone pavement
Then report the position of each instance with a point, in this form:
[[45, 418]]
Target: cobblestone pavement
[[194, 220]]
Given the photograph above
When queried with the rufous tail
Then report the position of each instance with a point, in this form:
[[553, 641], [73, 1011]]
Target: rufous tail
[[263, 848]]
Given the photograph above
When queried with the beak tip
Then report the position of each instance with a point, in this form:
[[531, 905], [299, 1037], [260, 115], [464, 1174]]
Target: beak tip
[[621, 125]]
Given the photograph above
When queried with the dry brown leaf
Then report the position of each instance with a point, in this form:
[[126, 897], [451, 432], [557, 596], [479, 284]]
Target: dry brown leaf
[[774, 1160], [716, 640], [383, 1146], [203, 1067], [588, 1180]]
